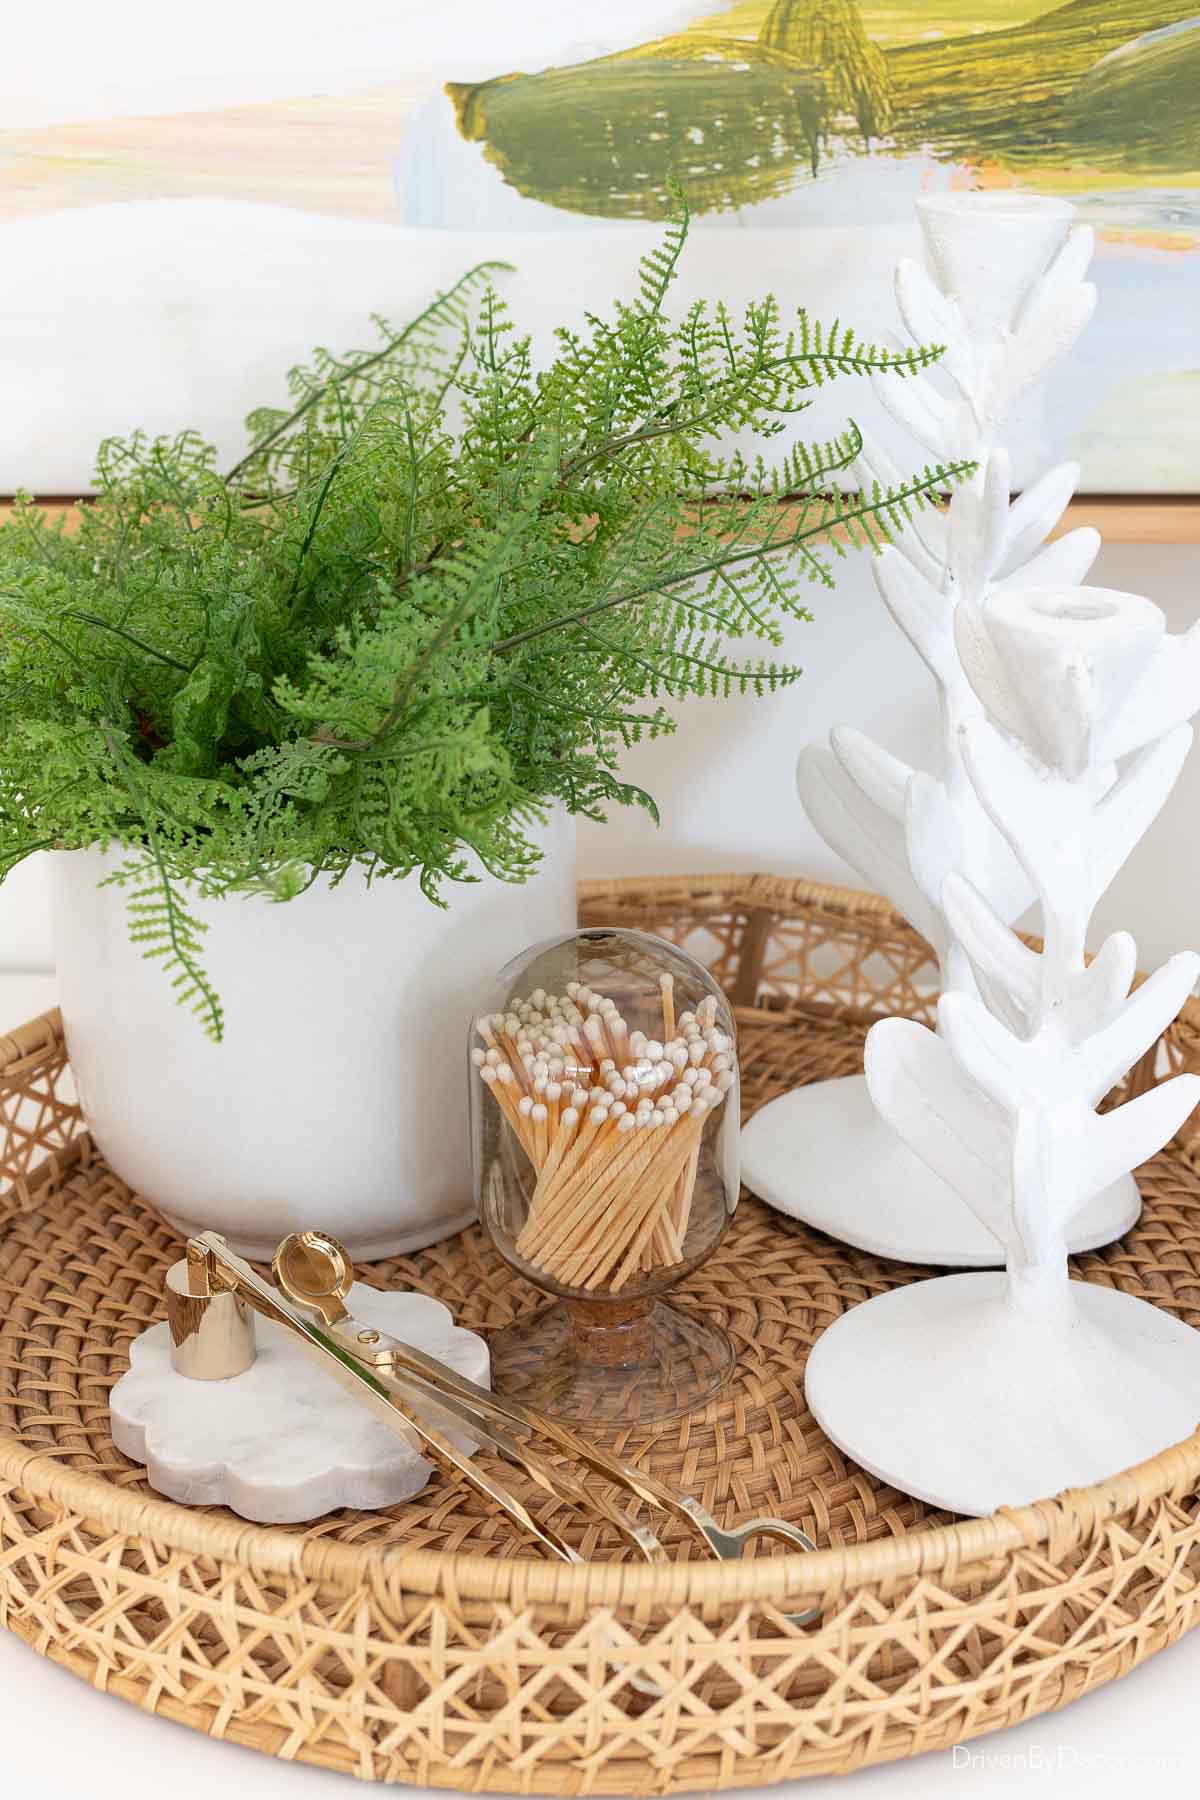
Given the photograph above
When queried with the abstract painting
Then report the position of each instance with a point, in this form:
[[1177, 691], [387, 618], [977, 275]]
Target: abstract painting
[[179, 229]]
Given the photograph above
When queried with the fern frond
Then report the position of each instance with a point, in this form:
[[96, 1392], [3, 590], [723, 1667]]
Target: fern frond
[[445, 587], [159, 922]]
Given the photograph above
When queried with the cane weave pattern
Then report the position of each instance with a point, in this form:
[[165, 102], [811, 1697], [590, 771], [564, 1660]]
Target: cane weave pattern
[[424, 1645]]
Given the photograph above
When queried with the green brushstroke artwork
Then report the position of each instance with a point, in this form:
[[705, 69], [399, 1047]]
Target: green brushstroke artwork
[[606, 138], [752, 101], [803, 132], [1039, 95], [1141, 104], [735, 121]]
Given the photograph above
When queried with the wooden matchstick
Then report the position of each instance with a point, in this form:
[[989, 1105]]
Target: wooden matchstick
[[633, 1190], [539, 1118], [578, 1201], [508, 1106], [635, 1217], [609, 1205], [666, 985], [553, 1180], [612, 1122]]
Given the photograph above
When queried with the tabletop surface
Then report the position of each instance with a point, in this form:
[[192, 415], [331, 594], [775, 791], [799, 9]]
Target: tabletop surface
[[61, 1740]]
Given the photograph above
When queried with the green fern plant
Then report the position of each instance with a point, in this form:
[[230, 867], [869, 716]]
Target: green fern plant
[[443, 590]]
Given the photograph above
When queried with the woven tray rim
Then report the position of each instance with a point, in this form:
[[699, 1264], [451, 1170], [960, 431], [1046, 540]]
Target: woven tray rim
[[1060, 1522]]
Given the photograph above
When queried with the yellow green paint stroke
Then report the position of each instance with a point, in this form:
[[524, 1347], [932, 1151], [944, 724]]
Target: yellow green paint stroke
[[735, 121], [1039, 93], [901, 23], [747, 103]]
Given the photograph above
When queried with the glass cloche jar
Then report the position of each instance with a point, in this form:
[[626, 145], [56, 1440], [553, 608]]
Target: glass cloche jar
[[605, 1118]]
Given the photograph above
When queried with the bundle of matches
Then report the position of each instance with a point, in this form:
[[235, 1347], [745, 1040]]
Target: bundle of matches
[[611, 1121]]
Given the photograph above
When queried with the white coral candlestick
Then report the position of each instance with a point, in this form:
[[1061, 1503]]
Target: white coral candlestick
[[1003, 291], [1002, 1106]]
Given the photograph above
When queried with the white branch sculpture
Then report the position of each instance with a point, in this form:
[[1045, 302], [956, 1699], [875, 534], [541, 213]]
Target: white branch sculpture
[[1005, 293], [1006, 297], [1064, 1382]]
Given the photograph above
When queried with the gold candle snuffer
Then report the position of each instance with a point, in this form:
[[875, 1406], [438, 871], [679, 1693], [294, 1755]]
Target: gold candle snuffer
[[213, 1295]]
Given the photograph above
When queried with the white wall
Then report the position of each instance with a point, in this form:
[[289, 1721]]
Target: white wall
[[725, 786]]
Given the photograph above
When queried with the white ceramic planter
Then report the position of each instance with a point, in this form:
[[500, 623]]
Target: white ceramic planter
[[339, 1095]]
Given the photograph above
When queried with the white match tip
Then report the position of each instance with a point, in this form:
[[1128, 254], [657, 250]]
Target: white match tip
[[538, 1113], [569, 1118], [524, 1106]]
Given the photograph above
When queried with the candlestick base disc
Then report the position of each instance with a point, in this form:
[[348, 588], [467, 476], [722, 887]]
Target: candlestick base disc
[[947, 1392], [634, 1363], [823, 1154]]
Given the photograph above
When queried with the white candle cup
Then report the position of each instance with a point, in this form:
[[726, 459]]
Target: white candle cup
[[987, 250], [1063, 662]]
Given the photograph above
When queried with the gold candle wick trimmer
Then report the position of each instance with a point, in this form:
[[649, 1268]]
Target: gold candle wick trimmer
[[211, 1300]]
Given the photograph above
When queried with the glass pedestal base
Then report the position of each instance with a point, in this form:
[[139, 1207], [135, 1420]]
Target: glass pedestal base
[[612, 1363]]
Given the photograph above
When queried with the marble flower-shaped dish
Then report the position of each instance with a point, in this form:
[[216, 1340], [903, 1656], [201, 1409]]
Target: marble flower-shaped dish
[[282, 1443]]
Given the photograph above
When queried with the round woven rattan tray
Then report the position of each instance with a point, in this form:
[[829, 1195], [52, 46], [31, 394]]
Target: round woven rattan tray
[[425, 1645]]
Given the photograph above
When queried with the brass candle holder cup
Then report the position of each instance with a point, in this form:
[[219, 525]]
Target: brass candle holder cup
[[605, 1132]]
